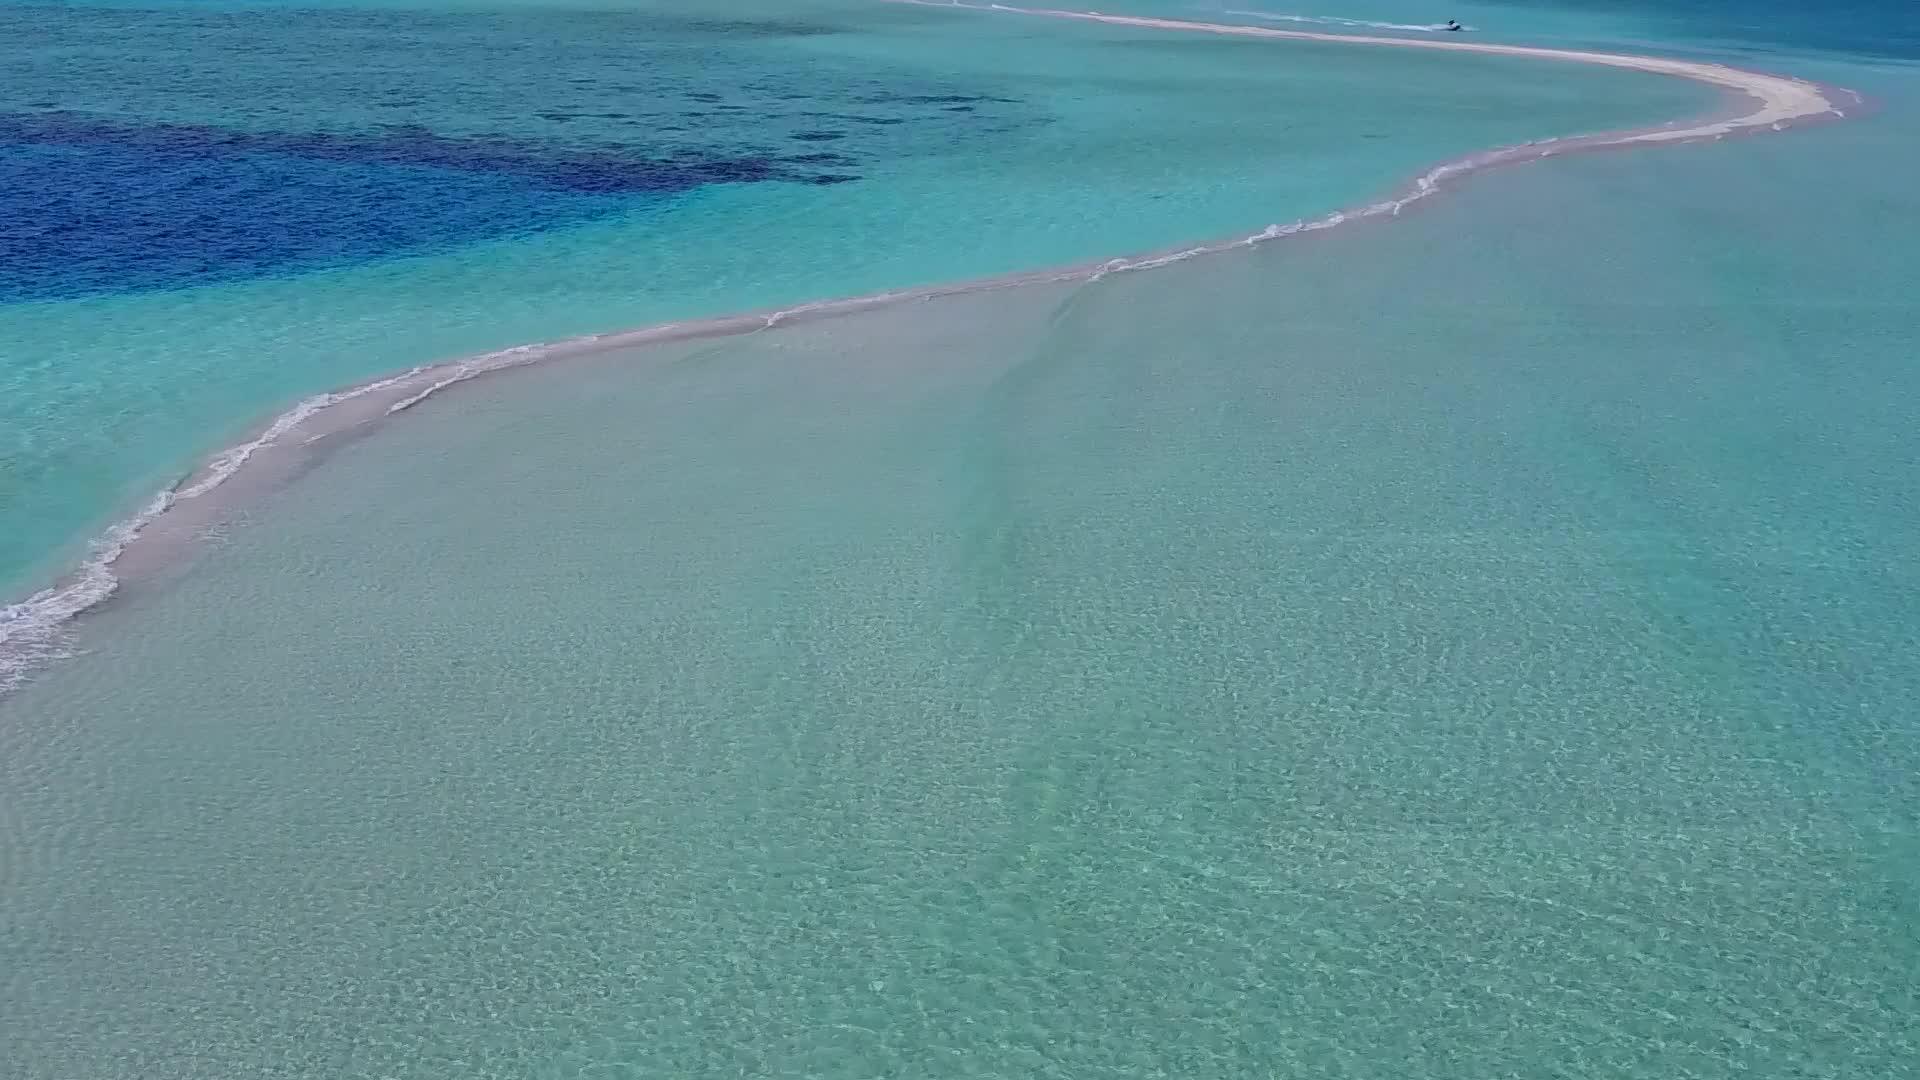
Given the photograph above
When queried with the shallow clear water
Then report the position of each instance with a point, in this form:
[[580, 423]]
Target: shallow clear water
[[1476, 644], [301, 198]]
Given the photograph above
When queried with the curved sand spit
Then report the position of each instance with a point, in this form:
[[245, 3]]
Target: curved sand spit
[[32, 629]]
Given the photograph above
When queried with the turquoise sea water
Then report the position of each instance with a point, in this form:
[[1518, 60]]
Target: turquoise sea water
[[302, 198], [1475, 644]]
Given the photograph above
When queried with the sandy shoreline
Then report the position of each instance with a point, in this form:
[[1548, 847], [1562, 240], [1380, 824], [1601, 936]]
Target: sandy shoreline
[[31, 630], [1780, 100]]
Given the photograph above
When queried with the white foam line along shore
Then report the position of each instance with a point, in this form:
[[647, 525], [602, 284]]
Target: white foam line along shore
[[1778, 99], [32, 630]]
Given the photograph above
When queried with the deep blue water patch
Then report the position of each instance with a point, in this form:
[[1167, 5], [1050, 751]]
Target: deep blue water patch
[[545, 165], [90, 205], [84, 218], [148, 148]]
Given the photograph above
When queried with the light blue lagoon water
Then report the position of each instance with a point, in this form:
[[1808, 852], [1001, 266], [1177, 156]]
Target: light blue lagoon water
[[214, 210], [1474, 644]]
